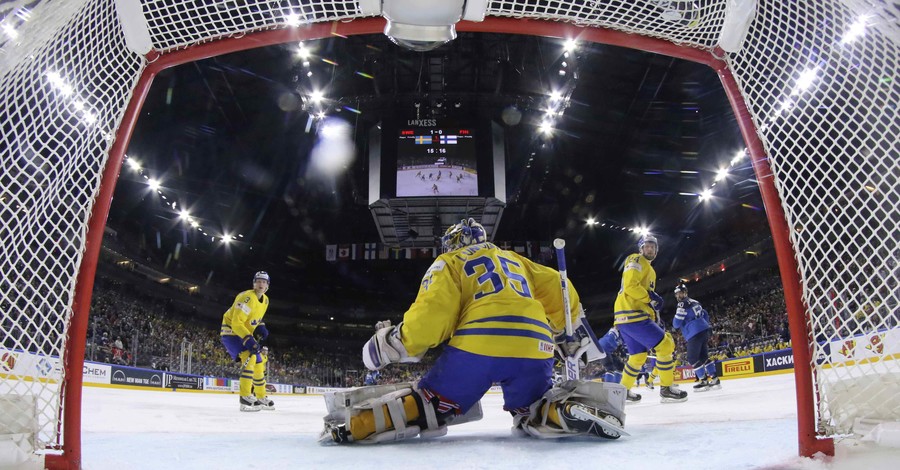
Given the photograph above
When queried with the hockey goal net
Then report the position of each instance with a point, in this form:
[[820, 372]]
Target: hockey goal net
[[813, 85]]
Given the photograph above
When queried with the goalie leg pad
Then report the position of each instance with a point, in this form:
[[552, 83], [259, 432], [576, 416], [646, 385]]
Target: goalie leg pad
[[600, 403], [343, 407]]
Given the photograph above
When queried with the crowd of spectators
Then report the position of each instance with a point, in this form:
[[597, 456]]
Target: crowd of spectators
[[131, 328], [128, 327]]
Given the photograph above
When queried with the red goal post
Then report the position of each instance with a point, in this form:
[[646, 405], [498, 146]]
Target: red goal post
[[812, 103]]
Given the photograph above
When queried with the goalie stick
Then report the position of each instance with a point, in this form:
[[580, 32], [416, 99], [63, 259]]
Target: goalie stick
[[572, 372]]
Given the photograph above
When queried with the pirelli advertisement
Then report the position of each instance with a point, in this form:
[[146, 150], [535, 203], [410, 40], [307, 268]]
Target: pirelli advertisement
[[738, 367]]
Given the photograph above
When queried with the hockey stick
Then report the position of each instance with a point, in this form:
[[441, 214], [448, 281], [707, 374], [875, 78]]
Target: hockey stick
[[572, 372]]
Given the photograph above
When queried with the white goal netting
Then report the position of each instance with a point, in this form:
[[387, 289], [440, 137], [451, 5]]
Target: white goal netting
[[819, 79]]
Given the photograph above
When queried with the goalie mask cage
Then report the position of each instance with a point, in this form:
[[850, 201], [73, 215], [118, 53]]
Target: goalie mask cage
[[813, 86]]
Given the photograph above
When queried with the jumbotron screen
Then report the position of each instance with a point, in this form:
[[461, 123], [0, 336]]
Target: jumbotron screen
[[436, 161]]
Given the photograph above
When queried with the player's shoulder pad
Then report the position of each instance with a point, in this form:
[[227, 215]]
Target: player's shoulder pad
[[634, 262], [438, 265]]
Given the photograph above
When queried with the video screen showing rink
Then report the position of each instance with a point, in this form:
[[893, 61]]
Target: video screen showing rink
[[436, 180], [749, 423], [436, 162]]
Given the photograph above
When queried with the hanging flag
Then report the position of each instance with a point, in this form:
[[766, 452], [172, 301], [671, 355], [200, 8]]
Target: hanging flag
[[519, 247], [344, 252], [529, 249], [398, 253], [371, 250], [505, 246], [356, 251], [546, 253], [384, 251], [330, 252]]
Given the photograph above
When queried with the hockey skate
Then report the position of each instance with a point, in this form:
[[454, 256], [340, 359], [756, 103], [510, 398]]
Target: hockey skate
[[335, 432], [715, 383], [265, 403], [590, 420], [672, 394], [250, 403], [702, 386], [632, 397]]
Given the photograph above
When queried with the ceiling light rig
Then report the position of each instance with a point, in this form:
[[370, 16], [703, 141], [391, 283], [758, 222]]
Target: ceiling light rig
[[560, 94], [170, 200], [721, 175]]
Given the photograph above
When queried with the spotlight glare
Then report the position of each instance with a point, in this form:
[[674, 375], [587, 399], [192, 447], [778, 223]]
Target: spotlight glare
[[154, 184], [721, 174], [134, 164]]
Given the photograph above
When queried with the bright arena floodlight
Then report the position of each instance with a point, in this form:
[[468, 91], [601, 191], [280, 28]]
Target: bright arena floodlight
[[423, 25]]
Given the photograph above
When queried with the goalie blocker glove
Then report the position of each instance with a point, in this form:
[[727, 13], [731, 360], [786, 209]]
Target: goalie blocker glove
[[583, 342], [385, 347]]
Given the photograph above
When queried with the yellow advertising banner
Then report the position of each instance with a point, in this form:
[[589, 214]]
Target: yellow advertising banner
[[737, 367]]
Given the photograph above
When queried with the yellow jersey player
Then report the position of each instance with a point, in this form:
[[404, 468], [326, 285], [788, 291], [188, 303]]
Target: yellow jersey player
[[498, 314], [637, 308], [240, 322]]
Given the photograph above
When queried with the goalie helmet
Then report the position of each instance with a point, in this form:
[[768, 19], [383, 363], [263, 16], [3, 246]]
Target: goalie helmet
[[466, 232], [261, 275]]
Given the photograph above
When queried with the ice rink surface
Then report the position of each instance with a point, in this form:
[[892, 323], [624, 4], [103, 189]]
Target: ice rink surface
[[749, 423]]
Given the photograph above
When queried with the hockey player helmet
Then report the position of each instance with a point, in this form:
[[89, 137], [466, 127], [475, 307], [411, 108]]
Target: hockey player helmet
[[681, 289], [261, 275], [648, 239], [466, 232]]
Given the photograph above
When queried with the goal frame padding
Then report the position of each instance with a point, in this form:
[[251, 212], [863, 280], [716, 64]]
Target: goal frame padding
[[809, 444]]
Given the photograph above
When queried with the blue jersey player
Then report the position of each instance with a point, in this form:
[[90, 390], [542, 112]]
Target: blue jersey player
[[693, 321], [497, 314], [637, 308]]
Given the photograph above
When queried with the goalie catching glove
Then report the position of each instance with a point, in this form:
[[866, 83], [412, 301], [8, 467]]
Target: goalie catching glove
[[582, 343], [385, 347]]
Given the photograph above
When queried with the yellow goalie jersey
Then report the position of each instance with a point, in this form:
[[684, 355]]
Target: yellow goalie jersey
[[633, 302], [487, 301], [245, 314]]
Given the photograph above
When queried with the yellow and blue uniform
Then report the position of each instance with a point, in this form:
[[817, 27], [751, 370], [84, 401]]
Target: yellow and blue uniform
[[636, 321], [633, 302], [239, 322], [499, 313]]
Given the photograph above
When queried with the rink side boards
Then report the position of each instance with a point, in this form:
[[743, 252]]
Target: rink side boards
[[26, 366]]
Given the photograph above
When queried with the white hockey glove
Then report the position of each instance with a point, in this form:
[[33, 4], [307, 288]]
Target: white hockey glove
[[385, 347], [583, 342]]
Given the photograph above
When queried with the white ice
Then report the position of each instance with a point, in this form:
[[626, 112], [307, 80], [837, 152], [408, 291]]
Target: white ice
[[749, 423]]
